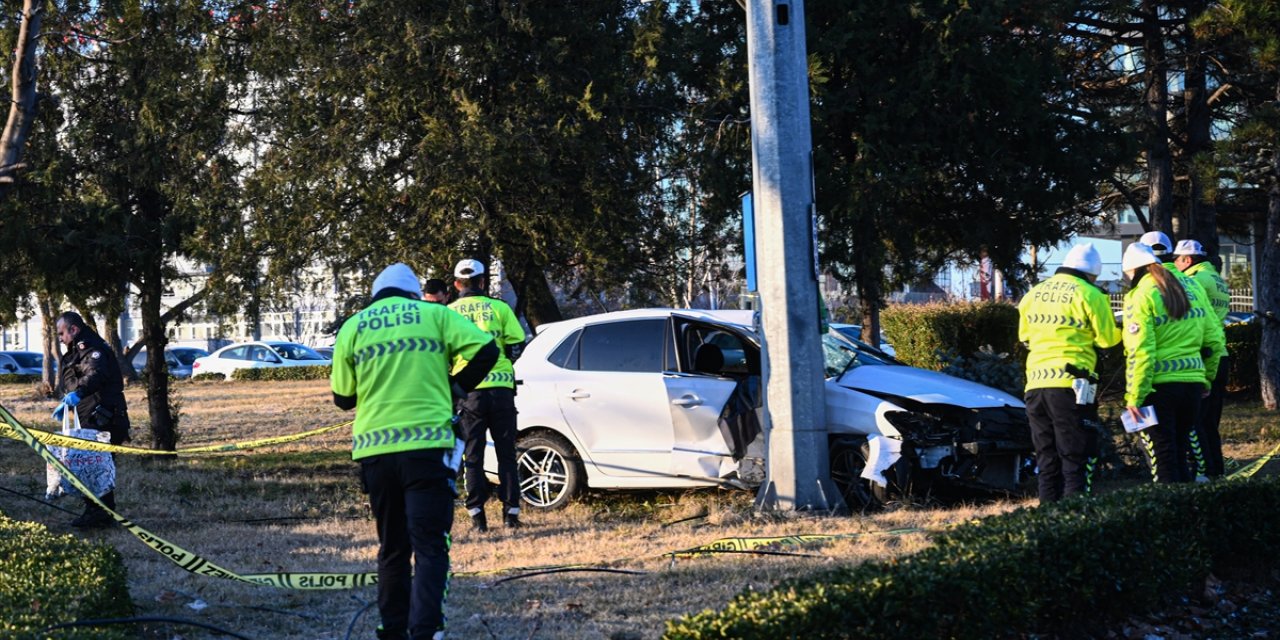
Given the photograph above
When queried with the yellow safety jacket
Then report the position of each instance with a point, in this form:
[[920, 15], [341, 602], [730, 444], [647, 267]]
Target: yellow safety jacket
[[1160, 349], [394, 357], [1062, 319], [1214, 285], [495, 318]]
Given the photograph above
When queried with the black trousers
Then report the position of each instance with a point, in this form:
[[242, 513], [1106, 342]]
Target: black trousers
[[1177, 406], [1206, 430], [493, 411], [412, 496], [1062, 443]]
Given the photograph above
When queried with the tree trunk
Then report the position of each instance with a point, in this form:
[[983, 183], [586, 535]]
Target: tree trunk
[[868, 287], [1202, 211], [1268, 294], [22, 105], [534, 294], [49, 320], [151, 288], [1159, 160]]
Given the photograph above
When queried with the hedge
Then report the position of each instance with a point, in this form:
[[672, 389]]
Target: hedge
[[1057, 569], [18, 378], [47, 579], [922, 334], [319, 372]]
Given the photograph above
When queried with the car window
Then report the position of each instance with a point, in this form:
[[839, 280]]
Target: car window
[[740, 356], [262, 354], [187, 356], [290, 351], [7, 363], [238, 353], [632, 345], [27, 360], [565, 356]]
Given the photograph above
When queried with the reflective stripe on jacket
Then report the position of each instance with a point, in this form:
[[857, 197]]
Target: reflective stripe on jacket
[[1159, 348], [1062, 319], [1214, 286]]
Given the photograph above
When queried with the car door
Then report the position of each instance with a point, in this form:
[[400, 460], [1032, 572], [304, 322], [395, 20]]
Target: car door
[[614, 398], [697, 398]]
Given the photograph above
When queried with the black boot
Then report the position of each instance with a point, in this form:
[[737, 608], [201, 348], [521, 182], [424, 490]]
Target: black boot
[[94, 517], [511, 518], [479, 523]]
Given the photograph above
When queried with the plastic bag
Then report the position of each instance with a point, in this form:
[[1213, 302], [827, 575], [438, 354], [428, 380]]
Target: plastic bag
[[95, 469]]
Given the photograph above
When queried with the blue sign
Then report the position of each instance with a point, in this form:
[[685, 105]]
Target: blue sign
[[749, 240]]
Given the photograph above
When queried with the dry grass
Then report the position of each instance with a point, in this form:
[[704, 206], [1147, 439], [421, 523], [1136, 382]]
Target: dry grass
[[202, 503]]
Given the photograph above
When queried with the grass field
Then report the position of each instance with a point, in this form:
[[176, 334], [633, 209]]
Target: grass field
[[297, 507]]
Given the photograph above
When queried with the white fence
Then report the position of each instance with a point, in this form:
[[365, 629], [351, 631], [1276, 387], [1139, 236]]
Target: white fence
[[1241, 300]]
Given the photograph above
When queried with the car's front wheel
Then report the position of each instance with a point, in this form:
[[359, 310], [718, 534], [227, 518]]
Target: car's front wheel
[[848, 459], [550, 471]]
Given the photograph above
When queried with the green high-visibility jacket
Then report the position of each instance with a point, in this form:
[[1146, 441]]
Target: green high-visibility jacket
[[1214, 285], [495, 318], [1061, 320], [1160, 349], [394, 357]]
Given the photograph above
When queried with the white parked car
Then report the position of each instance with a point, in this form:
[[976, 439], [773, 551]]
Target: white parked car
[[257, 355], [663, 398]]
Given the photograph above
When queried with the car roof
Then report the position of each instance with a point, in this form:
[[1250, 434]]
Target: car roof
[[29, 353], [738, 317]]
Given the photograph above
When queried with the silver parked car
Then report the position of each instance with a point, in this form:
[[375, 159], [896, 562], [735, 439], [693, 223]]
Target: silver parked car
[[665, 398], [178, 359]]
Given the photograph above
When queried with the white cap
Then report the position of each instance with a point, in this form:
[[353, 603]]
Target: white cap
[[1158, 241], [468, 268], [397, 276], [1137, 255], [1083, 257], [1189, 248]]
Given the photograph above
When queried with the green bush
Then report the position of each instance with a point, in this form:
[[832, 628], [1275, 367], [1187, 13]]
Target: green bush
[[320, 372], [47, 579], [1000, 370], [931, 336], [206, 377], [1243, 343], [1058, 569], [18, 378]]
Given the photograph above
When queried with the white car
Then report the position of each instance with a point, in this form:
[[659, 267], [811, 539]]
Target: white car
[[257, 355], [663, 398]]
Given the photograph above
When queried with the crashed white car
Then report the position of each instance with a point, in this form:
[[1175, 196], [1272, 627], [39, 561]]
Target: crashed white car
[[670, 398]]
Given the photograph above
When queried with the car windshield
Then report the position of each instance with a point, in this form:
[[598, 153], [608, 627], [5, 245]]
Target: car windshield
[[27, 360], [840, 354], [187, 357], [291, 351]]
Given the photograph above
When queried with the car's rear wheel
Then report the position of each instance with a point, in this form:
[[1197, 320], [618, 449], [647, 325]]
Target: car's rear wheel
[[549, 469], [848, 459]]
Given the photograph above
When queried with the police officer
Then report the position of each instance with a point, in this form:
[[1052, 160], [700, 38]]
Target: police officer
[[391, 363], [492, 406], [1200, 299], [1062, 320], [1171, 355], [1193, 260], [89, 376]]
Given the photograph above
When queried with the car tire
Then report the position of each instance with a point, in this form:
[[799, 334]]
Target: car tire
[[848, 459], [549, 469]]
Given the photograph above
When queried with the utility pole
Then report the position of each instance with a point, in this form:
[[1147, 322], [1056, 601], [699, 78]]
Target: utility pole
[[799, 477]]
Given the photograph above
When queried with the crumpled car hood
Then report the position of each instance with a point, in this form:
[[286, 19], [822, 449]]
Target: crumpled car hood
[[925, 386]]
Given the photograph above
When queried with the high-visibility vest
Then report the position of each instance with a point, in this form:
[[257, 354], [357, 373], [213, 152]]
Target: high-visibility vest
[[1062, 319]]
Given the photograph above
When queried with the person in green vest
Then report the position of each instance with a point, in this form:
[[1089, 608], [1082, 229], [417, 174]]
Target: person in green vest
[[1193, 260], [392, 363], [1171, 355], [1162, 247], [491, 407], [1063, 320]]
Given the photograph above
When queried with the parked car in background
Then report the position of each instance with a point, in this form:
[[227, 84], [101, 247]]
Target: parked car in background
[[854, 332], [178, 359], [257, 355], [1239, 317], [23, 363], [663, 398], [325, 351]]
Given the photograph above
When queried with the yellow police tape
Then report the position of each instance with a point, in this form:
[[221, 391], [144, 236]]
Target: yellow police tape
[[58, 440], [186, 559], [753, 544], [1253, 467]]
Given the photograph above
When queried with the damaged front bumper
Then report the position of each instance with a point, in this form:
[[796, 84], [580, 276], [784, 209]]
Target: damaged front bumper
[[988, 449]]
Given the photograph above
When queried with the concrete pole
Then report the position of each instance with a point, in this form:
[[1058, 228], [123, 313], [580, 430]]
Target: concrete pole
[[799, 475]]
